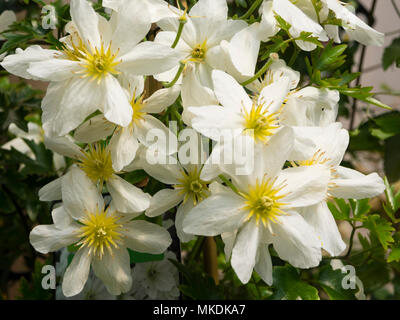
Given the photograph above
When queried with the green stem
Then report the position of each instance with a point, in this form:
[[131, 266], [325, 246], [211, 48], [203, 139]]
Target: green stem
[[259, 73], [228, 183], [178, 35], [251, 10], [178, 74]]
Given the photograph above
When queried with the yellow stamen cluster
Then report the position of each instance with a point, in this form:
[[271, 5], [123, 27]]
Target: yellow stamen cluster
[[317, 158], [137, 107], [199, 52], [263, 202], [100, 231], [260, 122], [97, 164], [96, 62], [192, 186]]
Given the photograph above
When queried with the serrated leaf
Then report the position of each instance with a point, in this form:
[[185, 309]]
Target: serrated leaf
[[381, 228], [340, 210], [394, 254]]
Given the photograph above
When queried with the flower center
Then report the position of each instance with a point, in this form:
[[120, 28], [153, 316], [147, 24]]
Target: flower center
[[263, 202], [260, 122], [317, 158], [97, 63], [100, 230], [192, 186], [97, 164], [199, 52]]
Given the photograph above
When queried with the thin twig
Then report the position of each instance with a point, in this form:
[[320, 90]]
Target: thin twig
[[396, 8]]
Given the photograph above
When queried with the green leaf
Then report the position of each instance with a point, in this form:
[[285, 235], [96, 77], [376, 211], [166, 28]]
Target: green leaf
[[331, 57], [331, 282], [381, 228], [340, 211], [289, 285], [391, 54], [392, 158], [394, 254]]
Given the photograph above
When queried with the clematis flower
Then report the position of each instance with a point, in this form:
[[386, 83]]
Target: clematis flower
[[263, 210], [188, 189], [199, 47], [330, 146], [96, 162], [253, 120], [83, 74], [125, 141], [101, 234]]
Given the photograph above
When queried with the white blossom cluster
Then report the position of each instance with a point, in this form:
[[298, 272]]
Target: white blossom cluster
[[96, 98]]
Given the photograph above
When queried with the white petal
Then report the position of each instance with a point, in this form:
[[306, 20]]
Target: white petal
[[264, 264], [168, 172], [320, 218], [143, 236], [214, 9], [274, 94], [93, 130], [116, 107], [296, 242], [80, 195], [161, 99], [51, 191], [61, 218], [67, 104], [217, 214], [86, 21], [130, 30], [268, 26], [163, 201], [230, 93], [304, 186], [123, 146], [195, 93], [244, 252], [229, 239], [114, 270], [77, 273], [127, 198], [182, 212], [352, 184], [149, 58], [19, 62], [48, 238], [214, 121], [63, 146], [55, 69]]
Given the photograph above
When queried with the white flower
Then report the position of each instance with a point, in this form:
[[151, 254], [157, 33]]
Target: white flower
[[199, 46], [96, 163], [330, 146], [82, 75], [159, 279], [124, 143], [7, 18], [35, 134], [102, 235], [188, 188], [264, 211]]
